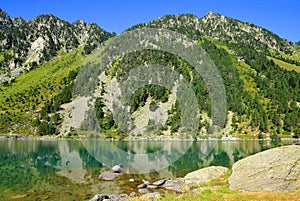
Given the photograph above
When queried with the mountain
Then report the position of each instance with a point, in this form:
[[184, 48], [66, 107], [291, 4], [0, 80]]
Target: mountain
[[223, 29], [260, 71], [26, 44]]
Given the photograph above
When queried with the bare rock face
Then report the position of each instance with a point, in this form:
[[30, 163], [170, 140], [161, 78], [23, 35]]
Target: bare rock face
[[35, 52], [272, 170], [204, 175]]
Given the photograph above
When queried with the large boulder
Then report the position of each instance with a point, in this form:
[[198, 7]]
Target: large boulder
[[276, 169], [204, 175]]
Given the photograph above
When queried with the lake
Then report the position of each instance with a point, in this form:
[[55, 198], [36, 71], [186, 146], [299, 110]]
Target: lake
[[69, 169]]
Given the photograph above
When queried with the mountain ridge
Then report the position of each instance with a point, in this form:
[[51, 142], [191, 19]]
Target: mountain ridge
[[32, 42], [222, 28], [263, 98]]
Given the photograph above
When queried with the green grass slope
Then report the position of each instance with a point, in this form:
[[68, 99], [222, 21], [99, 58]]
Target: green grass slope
[[21, 99]]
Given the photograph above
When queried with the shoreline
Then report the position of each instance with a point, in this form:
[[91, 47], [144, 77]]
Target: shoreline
[[142, 139]]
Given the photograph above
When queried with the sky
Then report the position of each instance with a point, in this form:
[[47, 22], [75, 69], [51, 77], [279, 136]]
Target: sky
[[279, 16]]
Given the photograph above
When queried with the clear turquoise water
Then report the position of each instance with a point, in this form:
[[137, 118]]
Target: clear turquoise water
[[66, 169]]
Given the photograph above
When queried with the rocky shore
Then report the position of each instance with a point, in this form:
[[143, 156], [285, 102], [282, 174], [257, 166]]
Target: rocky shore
[[153, 190], [274, 170]]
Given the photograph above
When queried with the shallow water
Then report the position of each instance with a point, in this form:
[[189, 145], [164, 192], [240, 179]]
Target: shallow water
[[68, 169]]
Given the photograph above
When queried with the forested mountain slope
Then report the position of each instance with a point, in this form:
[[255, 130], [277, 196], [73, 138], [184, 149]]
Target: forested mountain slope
[[260, 71]]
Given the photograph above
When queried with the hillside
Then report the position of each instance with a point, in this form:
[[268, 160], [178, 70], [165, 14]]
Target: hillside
[[27, 44], [224, 29], [260, 72]]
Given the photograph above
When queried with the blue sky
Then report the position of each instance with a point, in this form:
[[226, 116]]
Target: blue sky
[[280, 16]]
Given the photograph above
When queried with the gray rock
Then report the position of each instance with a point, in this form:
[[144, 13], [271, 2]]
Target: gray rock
[[117, 169], [146, 182], [112, 197], [150, 186], [204, 175], [297, 142], [108, 176], [161, 182], [272, 170], [143, 185], [143, 191], [118, 197], [174, 185], [99, 197], [133, 194], [151, 196]]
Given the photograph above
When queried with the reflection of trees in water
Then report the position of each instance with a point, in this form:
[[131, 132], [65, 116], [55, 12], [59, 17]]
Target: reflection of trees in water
[[224, 153], [87, 159], [25, 164], [31, 164], [138, 156], [44, 165], [220, 159]]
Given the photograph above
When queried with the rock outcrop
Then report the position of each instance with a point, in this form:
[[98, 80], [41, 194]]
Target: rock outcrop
[[276, 169], [204, 175]]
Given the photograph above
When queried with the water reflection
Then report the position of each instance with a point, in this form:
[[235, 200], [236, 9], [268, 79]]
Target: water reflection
[[139, 156], [70, 165]]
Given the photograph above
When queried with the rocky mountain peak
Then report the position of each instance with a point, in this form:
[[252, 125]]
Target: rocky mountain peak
[[17, 21], [5, 20], [224, 29], [28, 43], [213, 16], [79, 23], [45, 18]]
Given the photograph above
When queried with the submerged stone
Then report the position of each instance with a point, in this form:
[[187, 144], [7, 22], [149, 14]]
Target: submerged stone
[[108, 176]]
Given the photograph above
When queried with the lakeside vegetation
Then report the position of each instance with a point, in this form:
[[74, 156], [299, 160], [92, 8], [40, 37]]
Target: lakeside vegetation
[[218, 190]]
